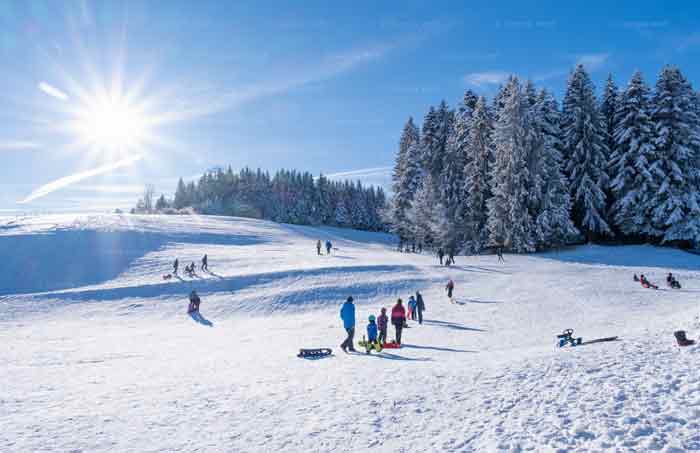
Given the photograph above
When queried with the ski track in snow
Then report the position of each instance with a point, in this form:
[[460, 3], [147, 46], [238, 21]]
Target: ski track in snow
[[101, 356]]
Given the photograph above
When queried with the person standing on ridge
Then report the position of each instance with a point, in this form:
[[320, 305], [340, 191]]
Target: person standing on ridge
[[205, 263], [318, 247], [347, 314], [420, 306], [398, 318], [329, 246], [176, 264], [441, 254]]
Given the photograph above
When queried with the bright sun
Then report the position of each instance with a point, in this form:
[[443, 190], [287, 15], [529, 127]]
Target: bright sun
[[111, 124]]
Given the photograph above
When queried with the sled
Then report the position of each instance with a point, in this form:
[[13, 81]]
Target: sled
[[392, 345], [682, 339], [567, 338], [314, 353], [369, 347]]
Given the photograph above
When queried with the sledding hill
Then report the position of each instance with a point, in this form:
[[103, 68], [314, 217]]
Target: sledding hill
[[99, 354]]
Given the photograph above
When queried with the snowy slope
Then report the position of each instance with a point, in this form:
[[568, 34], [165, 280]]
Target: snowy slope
[[98, 354]]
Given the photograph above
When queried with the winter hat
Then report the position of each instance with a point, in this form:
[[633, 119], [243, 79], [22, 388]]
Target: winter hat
[[371, 318], [350, 299]]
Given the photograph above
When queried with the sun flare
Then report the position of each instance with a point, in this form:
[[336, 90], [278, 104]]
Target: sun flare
[[111, 124]]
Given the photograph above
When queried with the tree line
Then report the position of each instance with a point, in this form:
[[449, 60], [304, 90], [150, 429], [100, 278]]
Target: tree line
[[523, 174], [289, 196]]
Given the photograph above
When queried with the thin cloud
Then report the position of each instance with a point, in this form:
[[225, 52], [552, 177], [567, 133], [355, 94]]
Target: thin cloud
[[593, 61], [362, 173], [53, 91], [112, 188], [77, 177], [216, 100], [18, 145], [690, 41], [479, 79]]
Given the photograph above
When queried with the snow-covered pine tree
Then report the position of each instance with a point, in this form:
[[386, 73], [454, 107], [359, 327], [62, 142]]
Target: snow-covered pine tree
[[632, 183], [674, 113], [450, 233], [477, 189], [436, 130], [422, 215], [584, 155], [510, 224], [608, 107], [554, 227], [405, 178]]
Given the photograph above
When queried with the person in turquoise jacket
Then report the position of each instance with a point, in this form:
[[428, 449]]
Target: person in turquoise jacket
[[347, 314]]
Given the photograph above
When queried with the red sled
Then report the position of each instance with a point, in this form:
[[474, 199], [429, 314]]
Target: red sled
[[392, 345]]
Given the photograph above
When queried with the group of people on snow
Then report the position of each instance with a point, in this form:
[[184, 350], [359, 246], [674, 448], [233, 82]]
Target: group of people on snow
[[377, 327], [319, 246], [190, 269], [670, 281]]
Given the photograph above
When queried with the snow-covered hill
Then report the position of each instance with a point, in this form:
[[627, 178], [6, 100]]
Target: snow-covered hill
[[98, 354]]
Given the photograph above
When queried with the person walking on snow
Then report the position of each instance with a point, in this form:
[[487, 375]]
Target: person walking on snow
[[398, 318], [420, 306], [499, 252], [347, 314], [412, 304], [451, 257], [194, 302], [176, 264], [450, 287], [318, 247], [329, 246], [383, 323], [441, 254], [205, 263]]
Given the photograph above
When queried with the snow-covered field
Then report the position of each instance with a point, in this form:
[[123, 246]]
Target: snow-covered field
[[98, 354]]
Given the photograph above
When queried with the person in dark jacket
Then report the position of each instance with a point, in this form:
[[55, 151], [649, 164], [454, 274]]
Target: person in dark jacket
[[329, 247], [450, 287], [383, 324], [205, 263], [398, 318], [420, 306], [176, 264], [441, 254], [499, 252], [194, 302], [318, 247], [347, 314]]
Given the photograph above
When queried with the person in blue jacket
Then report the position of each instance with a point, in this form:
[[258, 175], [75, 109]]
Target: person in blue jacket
[[347, 314]]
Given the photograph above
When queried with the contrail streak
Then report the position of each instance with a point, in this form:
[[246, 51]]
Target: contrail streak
[[76, 177]]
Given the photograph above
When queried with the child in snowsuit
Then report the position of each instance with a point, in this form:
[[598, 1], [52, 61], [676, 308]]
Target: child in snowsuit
[[372, 335], [383, 323], [412, 305]]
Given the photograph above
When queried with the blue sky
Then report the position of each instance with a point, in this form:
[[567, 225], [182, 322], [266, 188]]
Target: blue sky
[[314, 85]]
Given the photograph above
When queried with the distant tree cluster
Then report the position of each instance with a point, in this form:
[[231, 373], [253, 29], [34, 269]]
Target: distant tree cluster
[[287, 197], [523, 174]]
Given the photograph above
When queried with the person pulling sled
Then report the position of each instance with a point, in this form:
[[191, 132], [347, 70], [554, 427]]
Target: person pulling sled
[[194, 302], [398, 319], [672, 282]]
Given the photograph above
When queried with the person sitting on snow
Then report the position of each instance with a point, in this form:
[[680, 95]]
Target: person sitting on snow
[[194, 302], [646, 283], [635, 278], [672, 282]]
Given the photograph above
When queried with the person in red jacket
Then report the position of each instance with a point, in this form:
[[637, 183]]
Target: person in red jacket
[[398, 318], [383, 323]]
